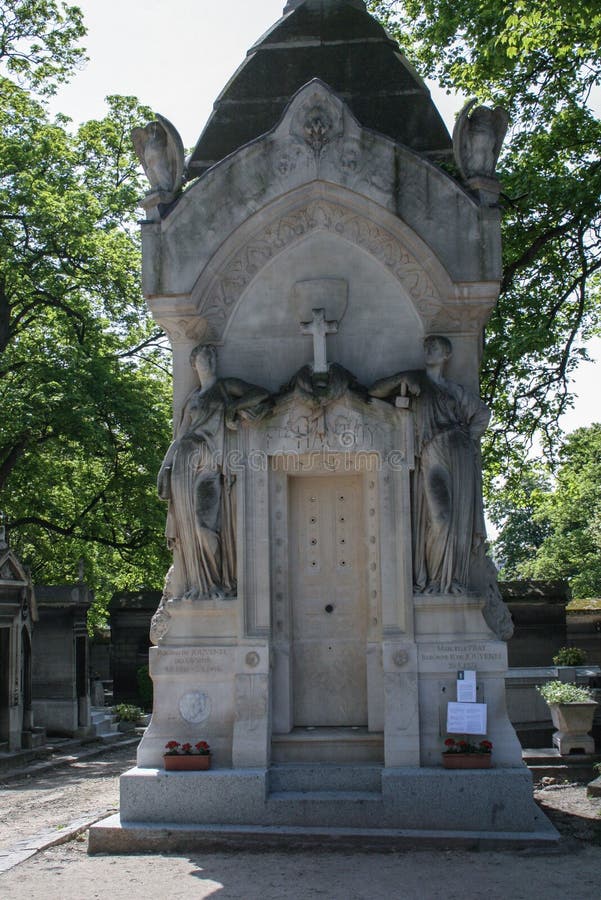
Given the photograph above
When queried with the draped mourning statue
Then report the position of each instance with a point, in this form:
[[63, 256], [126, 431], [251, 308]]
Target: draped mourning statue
[[197, 480], [448, 518]]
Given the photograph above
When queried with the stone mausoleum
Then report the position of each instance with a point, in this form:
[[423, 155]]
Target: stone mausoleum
[[325, 284], [18, 613], [61, 677]]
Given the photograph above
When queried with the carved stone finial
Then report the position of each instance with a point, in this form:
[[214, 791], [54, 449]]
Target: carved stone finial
[[319, 121], [160, 149], [477, 141], [3, 541]]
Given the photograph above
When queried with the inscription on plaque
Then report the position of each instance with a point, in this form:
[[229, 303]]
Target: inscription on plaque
[[450, 657], [193, 660]]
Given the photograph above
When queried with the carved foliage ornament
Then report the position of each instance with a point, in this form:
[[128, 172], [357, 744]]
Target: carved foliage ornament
[[334, 218], [319, 121]]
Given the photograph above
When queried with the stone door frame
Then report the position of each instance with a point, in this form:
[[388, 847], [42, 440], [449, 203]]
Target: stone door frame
[[282, 469], [373, 431]]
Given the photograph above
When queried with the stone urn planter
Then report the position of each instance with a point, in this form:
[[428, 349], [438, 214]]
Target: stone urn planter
[[572, 710], [573, 722], [187, 763], [467, 760]]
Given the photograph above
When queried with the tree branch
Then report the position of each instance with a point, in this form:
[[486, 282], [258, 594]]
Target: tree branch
[[136, 541], [13, 455]]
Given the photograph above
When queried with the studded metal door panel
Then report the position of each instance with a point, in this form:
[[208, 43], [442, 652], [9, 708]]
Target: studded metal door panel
[[329, 600]]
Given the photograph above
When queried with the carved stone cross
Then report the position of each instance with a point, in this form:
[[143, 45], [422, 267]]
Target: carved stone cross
[[318, 328]]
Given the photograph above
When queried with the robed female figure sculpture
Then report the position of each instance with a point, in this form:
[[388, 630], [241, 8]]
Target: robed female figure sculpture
[[448, 518], [197, 479]]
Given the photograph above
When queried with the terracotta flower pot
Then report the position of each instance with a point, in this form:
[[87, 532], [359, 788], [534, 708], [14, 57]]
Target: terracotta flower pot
[[466, 760], [187, 763]]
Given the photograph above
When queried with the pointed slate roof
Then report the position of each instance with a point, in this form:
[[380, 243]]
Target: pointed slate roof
[[341, 43]]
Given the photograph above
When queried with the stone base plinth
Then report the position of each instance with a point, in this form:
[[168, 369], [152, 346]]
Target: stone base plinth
[[112, 836], [352, 801], [568, 742]]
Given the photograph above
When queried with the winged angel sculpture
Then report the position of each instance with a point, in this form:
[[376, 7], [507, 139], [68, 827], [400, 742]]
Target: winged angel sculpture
[[477, 139], [160, 150]]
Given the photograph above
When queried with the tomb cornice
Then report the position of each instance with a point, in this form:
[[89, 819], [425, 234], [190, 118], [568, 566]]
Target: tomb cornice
[[319, 146]]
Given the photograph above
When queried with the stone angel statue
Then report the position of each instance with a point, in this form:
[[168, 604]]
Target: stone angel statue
[[477, 139], [198, 480], [160, 150], [448, 516]]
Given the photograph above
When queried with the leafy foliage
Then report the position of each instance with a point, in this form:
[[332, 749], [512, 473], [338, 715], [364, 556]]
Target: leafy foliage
[[564, 692], [512, 510], [541, 62], [127, 712], [84, 376], [572, 549], [569, 514], [570, 656], [38, 42]]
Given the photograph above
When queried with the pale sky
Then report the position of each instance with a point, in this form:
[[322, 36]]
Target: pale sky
[[177, 56]]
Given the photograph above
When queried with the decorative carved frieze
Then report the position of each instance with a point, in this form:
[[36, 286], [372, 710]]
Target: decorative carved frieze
[[320, 215]]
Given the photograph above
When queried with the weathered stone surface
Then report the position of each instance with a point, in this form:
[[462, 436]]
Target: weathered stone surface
[[61, 689], [317, 258], [499, 800]]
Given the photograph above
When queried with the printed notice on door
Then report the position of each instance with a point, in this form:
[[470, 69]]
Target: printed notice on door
[[466, 718]]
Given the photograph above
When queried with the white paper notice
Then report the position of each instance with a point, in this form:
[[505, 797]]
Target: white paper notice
[[466, 687], [466, 718]]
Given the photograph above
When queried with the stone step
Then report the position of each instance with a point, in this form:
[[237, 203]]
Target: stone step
[[113, 836], [548, 763], [325, 808], [325, 777], [9, 760], [325, 796], [551, 756], [328, 745], [114, 737]]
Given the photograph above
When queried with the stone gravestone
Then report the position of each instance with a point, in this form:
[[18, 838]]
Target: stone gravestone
[[325, 286]]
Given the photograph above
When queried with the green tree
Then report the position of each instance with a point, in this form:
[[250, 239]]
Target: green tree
[[84, 380], [570, 513], [38, 42], [521, 531], [541, 63]]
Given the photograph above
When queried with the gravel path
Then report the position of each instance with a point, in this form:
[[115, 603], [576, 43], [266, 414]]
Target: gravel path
[[54, 799], [66, 872]]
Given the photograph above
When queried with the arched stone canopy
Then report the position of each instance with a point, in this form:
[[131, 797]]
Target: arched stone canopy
[[320, 173], [407, 285], [319, 208], [318, 139]]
